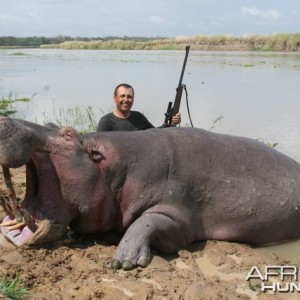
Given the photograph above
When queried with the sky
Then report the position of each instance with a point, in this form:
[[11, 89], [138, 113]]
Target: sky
[[148, 18]]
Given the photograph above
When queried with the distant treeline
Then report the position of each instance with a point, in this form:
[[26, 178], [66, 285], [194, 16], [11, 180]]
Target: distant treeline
[[37, 41], [276, 42]]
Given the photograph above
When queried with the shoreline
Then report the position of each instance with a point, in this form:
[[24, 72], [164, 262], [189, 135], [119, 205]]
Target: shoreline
[[277, 42]]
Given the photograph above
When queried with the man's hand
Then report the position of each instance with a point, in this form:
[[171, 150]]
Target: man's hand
[[176, 119]]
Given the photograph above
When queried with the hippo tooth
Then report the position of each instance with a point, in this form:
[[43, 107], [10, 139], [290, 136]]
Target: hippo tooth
[[9, 223], [15, 209], [6, 207], [17, 226], [30, 221]]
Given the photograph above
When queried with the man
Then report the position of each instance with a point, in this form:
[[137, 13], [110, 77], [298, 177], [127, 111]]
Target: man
[[123, 118]]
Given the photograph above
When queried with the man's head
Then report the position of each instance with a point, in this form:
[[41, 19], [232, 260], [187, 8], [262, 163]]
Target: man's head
[[125, 85], [123, 98]]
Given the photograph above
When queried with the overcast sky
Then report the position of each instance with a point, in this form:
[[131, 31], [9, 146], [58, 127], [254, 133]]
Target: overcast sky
[[148, 18]]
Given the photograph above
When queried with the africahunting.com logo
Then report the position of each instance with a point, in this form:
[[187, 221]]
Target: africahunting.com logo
[[280, 279]]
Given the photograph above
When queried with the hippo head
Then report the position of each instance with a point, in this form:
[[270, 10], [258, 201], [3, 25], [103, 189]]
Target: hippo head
[[64, 182]]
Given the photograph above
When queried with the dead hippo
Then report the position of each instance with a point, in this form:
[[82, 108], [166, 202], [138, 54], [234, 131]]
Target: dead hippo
[[163, 188]]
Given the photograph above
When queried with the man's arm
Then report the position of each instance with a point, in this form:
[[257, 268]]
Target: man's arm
[[141, 121]]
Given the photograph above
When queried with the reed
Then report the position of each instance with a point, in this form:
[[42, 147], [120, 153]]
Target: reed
[[83, 119], [277, 42]]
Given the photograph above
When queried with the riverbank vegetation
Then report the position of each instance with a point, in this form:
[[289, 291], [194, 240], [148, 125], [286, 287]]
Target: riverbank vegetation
[[36, 41], [8, 104], [277, 42], [280, 42], [83, 119]]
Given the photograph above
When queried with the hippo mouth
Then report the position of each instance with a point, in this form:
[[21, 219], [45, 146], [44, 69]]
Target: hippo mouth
[[44, 214], [25, 223]]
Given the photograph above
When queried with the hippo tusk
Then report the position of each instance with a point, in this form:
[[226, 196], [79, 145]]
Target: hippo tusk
[[5, 205], [30, 221], [15, 208], [17, 226], [9, 223]]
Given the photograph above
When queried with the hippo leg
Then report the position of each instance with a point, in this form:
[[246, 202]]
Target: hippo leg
[[148, 230]]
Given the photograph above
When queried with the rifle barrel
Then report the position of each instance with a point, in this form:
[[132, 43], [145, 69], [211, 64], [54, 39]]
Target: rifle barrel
[[187, 49]]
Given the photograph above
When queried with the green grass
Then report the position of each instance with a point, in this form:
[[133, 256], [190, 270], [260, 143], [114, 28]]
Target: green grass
[[8, 104], [83, 119], [13, 289]]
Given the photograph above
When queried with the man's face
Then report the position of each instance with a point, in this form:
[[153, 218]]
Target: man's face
[[124, 99]]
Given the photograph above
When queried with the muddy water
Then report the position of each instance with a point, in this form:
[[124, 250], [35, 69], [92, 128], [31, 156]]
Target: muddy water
[[289, 250]]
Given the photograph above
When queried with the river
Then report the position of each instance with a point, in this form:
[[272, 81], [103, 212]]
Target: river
[[252, 94]]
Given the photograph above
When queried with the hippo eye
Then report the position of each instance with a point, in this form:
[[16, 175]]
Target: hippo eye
[[96, 156]]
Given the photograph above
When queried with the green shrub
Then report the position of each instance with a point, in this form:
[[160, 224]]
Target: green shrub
[[13, 289]]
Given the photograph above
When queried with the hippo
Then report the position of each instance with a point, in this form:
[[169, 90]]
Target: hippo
[[160, 188]]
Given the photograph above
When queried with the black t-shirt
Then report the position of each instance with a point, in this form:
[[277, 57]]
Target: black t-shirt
[[135, 121]]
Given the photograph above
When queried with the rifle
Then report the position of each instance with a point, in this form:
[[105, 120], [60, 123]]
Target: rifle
[[172, 111]]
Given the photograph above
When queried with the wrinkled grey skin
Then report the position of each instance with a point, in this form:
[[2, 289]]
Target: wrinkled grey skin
[[163, 188]]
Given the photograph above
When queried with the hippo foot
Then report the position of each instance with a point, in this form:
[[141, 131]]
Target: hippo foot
[[131, 253], [128, 265], [149, 230], [134, 249]]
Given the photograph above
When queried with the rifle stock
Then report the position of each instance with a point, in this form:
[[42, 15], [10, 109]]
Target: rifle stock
[[172, 111], [177, 101]]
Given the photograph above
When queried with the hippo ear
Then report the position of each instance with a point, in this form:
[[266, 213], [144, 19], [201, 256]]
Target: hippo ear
[[52, 125], [96, 155], [69, 133]]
